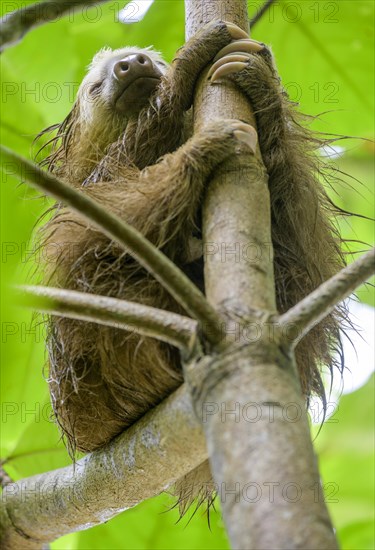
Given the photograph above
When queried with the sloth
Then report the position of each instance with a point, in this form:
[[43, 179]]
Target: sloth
[[129, 143]]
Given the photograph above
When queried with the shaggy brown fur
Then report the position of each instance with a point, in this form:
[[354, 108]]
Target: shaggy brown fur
[[142, 165]]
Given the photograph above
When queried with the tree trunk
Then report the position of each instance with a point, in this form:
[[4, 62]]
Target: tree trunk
[[246, 391]]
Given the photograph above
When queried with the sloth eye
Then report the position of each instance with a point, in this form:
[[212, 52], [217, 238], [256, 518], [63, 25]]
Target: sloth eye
[[95, 88]]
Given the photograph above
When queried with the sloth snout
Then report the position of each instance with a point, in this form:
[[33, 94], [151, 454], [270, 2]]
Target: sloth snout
[[132, 66]]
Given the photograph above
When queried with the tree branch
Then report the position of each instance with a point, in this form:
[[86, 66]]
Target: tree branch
[[142, 462], [228, 202], [148, 321], [14, 25], [317, 305], [163, 269]]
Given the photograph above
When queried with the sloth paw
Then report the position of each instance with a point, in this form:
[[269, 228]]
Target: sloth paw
[[233, 58]]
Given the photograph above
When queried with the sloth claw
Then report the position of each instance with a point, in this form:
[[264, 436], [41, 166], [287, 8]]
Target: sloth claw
[[233, 58], [238, 56], [246, 134], [244, 46], [228, 68], [236, 32]]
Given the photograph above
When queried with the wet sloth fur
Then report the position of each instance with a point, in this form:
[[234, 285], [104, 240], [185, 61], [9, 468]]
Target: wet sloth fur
[[128, 143]]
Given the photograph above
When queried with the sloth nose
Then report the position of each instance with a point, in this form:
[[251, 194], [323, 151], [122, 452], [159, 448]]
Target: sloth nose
[[132, 65]]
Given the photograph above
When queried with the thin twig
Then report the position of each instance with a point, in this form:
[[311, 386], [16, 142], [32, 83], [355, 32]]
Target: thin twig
[[14, 25], [148, 321], [161, 267], [259, 14], [317, 305], [4, 477]]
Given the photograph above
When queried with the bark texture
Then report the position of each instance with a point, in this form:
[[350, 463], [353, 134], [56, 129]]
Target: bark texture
[[137, 465], [270, 453]]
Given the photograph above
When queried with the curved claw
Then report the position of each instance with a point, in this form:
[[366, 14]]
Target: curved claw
[[244, 46], [227, 59], [235, 31], [228, 68], [248, 135]]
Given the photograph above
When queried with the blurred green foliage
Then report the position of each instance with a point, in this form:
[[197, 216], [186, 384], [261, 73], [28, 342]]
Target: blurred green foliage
[[324, 52]]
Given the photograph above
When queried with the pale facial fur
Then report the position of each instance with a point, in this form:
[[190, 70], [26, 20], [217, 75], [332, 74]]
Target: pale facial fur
[[97, 88], [99, 117]]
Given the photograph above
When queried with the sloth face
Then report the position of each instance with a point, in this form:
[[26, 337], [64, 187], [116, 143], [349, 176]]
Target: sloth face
[[119, 83]]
